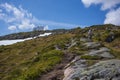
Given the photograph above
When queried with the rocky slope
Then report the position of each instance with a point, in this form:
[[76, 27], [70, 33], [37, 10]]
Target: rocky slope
[[64, 55], [103, 68]]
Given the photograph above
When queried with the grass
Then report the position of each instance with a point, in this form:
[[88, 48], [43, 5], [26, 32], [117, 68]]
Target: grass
[[88, 57], [29, 59], [29, 70], [91, 62], [115, 47], [43, 63]]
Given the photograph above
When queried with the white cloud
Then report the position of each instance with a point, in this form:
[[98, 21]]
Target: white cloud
[[12, 28], [112, 15], [23, 20], [57, 24], [18, 17], [105, 4]]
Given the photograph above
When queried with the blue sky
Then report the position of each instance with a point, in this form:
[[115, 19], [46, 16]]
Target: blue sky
[[24, 15]]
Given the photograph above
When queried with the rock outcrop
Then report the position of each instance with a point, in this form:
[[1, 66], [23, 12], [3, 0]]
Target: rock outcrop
[[103, 70], [106, 68]]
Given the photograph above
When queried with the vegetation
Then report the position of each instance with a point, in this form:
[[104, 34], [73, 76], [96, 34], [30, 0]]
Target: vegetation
[[29, 59], [88, 57]]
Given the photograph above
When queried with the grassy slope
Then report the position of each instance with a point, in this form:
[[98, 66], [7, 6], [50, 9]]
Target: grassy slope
[[28, 59]]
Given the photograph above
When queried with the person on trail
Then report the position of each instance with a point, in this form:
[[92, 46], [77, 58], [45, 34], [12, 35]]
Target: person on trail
[[90, 34]]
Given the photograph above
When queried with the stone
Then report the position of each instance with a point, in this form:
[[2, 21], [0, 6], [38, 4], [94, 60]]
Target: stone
[[103, 70], [75, 67], [92, 45], [106, 55], [85, 40], [102, 52], [116, 78]]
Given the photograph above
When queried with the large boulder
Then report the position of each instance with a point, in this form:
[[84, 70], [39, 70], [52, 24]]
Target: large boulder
[[103, 70]]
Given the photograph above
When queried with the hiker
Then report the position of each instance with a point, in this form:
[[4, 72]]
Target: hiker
[[90, 34]]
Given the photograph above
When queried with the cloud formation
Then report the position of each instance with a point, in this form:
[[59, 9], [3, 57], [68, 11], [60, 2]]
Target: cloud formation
[[113, 17], [110, 5], [18, 18], [12, 28], [57, 24]]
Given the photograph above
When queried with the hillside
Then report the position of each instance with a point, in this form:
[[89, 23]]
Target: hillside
[[23, 35], [59, 56]]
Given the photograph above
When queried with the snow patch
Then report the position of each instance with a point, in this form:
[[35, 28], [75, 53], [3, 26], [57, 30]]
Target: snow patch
[[9, 42]]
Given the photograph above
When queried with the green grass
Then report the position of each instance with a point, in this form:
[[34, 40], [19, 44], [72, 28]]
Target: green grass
[[42, 65], [115, 47], [91, 62], [36, 66], [88, 57], [29, 59]]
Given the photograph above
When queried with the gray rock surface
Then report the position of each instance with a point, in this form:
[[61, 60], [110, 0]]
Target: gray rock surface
[[106, 55], [74, 69], [78, 69], [85, 40], [103, 70], [92, 45], [102, 52]]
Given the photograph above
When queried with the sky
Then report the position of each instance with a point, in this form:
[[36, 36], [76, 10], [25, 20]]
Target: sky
[[24, 15]]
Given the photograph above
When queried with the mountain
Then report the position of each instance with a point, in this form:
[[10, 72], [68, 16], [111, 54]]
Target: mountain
[[64, 55], [23, 35]]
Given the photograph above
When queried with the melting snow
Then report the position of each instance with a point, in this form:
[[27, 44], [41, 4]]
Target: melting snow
[[9, 42]]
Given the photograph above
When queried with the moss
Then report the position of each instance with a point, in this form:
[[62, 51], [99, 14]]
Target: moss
[[91, 62], [88, 57], [41, 64], [76, 78]]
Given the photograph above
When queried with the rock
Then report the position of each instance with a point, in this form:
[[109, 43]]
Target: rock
[[73, 61], [104, 49], [103, 70], [75, 67], [106, 55], [96, 52], [92, 45], [99, 79], [73, 43], [57, 47], [116, 78], [102, 52], [85, 40]]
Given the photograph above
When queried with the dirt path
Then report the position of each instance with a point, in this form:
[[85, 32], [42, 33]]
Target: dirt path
[[57, 73]]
